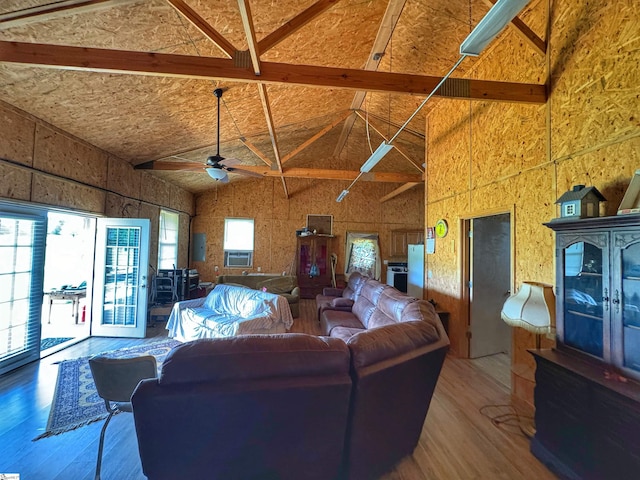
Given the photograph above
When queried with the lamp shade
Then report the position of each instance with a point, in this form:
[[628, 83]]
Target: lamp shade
[[217, 174], [532, 308]]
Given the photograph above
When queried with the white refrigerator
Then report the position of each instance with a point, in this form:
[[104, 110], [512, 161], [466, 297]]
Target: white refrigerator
[[415, 265]]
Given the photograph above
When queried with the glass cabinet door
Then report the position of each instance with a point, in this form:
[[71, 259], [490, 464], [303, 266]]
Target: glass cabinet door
[[625, 303], [585, 302]]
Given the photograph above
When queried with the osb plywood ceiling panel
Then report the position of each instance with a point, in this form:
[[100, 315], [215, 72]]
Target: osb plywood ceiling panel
[[147, 94]]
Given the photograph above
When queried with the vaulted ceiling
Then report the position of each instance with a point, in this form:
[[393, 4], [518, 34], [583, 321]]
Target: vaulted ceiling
[[311, 87]]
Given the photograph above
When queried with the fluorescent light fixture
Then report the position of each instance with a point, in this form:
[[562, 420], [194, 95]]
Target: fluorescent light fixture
[[343, 194], [376, 156], [218, 174], [502, 12]]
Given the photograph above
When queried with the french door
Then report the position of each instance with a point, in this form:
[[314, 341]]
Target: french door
[[120, 278], [22, 246]]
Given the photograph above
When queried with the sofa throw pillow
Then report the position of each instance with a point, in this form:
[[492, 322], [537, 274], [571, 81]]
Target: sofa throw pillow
[[278, 285]]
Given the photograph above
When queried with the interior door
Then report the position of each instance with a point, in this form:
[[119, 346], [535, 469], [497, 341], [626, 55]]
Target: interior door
[[120, 278], [490, 284]]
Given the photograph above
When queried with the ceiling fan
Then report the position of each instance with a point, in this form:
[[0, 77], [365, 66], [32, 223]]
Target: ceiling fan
[[216, 165]]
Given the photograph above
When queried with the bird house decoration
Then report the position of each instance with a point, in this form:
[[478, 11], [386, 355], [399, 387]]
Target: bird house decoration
[[580, 202]]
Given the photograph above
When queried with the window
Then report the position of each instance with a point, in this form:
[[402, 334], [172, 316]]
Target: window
[[168, 240], [238, 242], [363, 254]]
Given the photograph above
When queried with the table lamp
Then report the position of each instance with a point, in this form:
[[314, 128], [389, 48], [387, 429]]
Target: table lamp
[[532, 308]]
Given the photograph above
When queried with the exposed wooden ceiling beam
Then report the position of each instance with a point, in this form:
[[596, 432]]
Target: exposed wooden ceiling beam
[[318, 135], [266, 106], [249, 31], [312, 173], [523, 30], [65, 8], [293, 25], [399, 190], [330, 174], [387, 26], [205, 28], [386, 139], [256, 150], [187, 66]]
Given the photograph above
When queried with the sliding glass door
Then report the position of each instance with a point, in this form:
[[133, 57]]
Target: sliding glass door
[[22, 245]]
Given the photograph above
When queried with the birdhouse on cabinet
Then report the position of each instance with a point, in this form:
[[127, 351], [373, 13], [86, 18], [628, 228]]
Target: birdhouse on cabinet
[[580, 202]]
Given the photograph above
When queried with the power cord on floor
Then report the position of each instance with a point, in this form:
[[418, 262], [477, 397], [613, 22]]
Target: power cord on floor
[[510, 420]]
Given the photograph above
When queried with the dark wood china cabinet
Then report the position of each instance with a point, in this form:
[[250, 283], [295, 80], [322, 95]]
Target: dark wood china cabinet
[[587, 393]]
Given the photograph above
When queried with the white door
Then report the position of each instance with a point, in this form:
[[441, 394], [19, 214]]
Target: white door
[[490, 283], [120, 278]]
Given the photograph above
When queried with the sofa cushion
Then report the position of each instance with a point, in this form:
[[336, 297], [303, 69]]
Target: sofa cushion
[[338, 318], [379, 344], [254, 357], [279, 285], [354, 285], [391, 304], [365, 304]]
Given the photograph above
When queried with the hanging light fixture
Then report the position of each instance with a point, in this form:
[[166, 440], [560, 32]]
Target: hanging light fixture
[[218, 174]]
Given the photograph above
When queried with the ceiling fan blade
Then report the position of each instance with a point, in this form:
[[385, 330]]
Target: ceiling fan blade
[[247, 173], [171, 166], [229, 162]]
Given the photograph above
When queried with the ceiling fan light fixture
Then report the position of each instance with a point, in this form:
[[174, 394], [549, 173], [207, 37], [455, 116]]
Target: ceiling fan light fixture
[[502, 12], [217, 174]]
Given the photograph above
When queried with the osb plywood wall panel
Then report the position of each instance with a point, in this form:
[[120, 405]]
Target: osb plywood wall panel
[[277, 219], [593, 139], [49, 190], [609, 168], [122, 178], [16, 183], [184, 234], [16, 139], [515, 153], [153, 214], [595, 72], [444, 284], [65, 157], [448, 150], [121, 207]]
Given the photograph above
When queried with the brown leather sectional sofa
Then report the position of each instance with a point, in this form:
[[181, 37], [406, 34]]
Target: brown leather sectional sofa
[[348, 405], [398, 346]]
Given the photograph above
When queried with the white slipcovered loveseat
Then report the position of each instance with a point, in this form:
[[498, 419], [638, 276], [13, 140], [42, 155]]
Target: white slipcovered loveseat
[[228, 311]]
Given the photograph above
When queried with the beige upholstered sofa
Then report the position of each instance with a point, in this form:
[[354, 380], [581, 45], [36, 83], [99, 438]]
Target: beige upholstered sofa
[[285, 285]]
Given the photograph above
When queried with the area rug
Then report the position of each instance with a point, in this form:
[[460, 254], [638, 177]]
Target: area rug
[[75, 400], [52, 342]]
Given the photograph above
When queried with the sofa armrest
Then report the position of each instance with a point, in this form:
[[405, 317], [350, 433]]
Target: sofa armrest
[[342, 302], [332, 292], [295, 292]]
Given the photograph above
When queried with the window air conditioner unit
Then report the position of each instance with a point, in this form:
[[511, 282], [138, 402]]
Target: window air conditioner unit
[[238, 259]]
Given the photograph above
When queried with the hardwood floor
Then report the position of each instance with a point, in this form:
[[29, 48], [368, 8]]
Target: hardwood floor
[[458, 441]]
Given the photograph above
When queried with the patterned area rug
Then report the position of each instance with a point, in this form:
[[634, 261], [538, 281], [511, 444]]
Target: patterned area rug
[[52, 342], [76, 402]]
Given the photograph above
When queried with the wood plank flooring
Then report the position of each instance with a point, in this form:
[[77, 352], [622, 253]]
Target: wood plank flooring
[[458, 441]]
